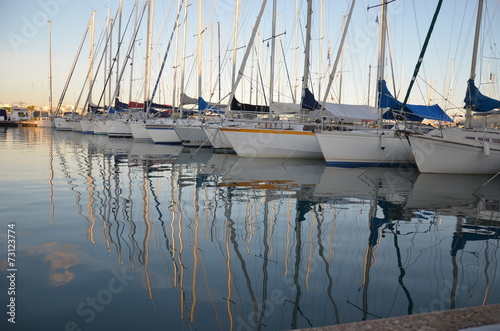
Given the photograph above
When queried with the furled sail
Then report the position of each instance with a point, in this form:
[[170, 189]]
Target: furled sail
[[187, 100], [478, 102], [214, 108], [236, 105], [411, 112], [308, 101]]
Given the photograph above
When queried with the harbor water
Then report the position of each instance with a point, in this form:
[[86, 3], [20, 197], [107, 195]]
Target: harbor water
[[102, 233]]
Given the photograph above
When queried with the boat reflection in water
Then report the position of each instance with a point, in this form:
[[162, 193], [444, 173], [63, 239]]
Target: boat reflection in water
[[143, 236]]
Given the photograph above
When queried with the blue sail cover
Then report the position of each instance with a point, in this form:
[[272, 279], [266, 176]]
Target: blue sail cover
[[414, 113], [120, 105], [309, 102], [476, 101], [203, 105]]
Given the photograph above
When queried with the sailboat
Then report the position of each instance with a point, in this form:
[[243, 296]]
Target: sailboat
[[284, 133], [462, 151], [380, 146]]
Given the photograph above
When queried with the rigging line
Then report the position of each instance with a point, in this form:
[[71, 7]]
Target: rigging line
[[176, 23], [421, 55], [161, 31], [486, 183], [440, 94], [116, 55], [91, 66], [72, 69], [447, 73]]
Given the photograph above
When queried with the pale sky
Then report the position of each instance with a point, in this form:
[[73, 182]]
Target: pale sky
[[24, 49]]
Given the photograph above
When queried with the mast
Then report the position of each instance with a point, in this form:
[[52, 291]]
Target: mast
[[211, 59], [273, 49], [320, 64], [200, 45], [305, 76], [337, 58], [110, 100], [50, 66], [132, 54], [183, 62], [381, 54], [119, 41], [149, 37], [218, 58], [247, 53], [296, 60], [468, 112], [176, 57], [105, 56], [235, 45], [176, 23], [91, 55], [341, 72], [119, 72], [421, 55]]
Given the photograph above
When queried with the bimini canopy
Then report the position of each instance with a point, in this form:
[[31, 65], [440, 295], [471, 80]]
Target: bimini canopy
[[411, 112], [339, 111], [476, 101]]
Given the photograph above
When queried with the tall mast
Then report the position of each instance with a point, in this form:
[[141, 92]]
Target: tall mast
[[211, 58], [50, 66], [119, 72], [339, 52], [91, 55], [468, 113], [341, 72], [273, 48], [132, 53], [381, 53], [149, 37], [218, 57], [307, 61], [105, 58], [183, 60], [296, 64], [119, 38], [110, 101], [235, 44], [320, 80], [200, 44], [176, 57], [247, 53]]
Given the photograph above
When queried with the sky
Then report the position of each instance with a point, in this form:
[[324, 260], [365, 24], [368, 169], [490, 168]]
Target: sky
[[24, 55]]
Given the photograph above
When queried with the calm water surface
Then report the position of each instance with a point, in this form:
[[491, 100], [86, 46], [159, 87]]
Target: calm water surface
[[116, 235]]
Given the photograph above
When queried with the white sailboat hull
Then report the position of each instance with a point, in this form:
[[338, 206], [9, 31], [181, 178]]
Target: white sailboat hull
[[163, 134], [364, 149], [87, 125], [459, 152], [61, 124], [192, 136], [100, 127], [269, 143], [76, 126], [217, 138], [118, 128], [139, 131]]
